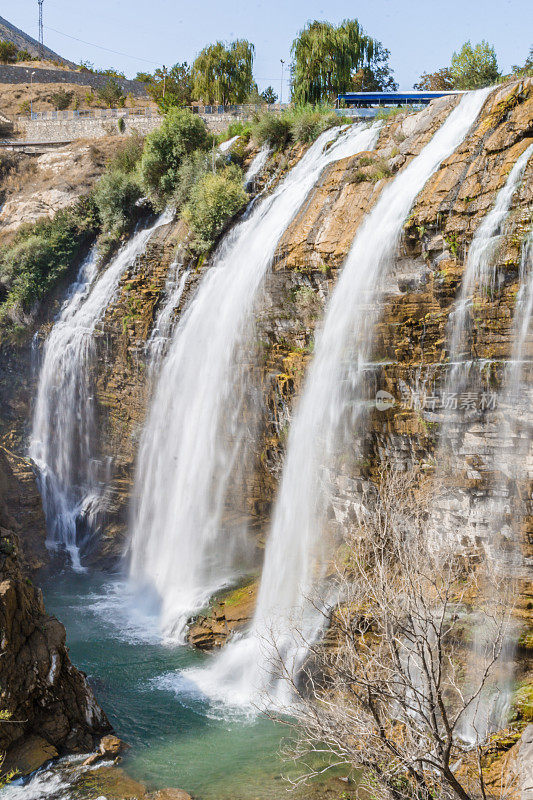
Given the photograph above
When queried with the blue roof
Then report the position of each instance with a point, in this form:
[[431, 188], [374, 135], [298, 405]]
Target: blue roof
[[393, 98]]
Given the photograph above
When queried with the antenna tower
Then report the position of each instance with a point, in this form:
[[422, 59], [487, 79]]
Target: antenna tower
[[41, 35]]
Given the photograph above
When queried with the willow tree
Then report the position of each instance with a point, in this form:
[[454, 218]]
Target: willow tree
[[223, 73], [326, 58]]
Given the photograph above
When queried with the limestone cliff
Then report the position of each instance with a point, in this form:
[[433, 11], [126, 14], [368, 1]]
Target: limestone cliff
[[410, 344]]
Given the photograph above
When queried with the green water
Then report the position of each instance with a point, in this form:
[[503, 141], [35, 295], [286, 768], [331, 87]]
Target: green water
[[177, 738]]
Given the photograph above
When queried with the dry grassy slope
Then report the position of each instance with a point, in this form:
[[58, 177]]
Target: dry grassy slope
[[14, 98]]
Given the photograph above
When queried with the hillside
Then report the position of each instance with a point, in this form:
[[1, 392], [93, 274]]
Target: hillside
[[22, 40]]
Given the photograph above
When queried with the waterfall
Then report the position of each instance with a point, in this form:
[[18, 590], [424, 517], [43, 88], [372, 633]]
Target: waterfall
[[511, 451], [330, 407], [479, 270], [257, 164], [62, 443], [522, 327], [174, 288], [182, 542]]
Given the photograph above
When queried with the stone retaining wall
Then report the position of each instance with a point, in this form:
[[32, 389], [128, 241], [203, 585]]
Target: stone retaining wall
[[64, 130], [13, 74]]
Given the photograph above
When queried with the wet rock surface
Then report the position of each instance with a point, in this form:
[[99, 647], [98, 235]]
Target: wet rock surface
[[228, 614], [51, 706]]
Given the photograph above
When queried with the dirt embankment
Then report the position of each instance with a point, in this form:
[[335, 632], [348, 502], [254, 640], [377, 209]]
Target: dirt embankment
[[34, 186]]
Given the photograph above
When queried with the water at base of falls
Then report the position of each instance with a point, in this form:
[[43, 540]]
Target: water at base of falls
[[293, 587], [188, 539], [176, 739], [63, 438]]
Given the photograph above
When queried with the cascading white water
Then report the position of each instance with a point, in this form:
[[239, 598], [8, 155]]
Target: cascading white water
[[194, 436], [174, 288], [62, 438], [522, 328], [257, 164], [510, 453], [480, 264], [297, 551]]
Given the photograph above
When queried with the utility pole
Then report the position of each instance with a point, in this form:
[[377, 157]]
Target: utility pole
[[41, 34], [31, 95], [281, 83]]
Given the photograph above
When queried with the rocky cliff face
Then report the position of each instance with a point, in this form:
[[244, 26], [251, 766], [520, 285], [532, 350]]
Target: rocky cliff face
[[51, 707]]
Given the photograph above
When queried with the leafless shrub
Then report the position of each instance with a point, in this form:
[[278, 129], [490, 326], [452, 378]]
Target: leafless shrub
[[386, 692]]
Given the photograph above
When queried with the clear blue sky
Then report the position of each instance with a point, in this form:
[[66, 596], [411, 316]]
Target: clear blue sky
[[421, 34]]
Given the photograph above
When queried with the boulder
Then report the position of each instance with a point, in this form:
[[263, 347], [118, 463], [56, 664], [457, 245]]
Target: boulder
[[110, 748], [169, 794], [29, 754]]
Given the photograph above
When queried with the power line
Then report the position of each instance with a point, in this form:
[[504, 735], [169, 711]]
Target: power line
[[127, 55], [107, 49]]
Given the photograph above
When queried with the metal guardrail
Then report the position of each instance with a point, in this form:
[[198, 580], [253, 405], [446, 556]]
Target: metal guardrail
[[148, 113], [359, 113]]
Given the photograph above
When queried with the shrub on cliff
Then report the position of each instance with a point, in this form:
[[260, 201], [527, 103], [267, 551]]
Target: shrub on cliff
[[274, 130], [302, 124], [191, 170], [165, 149], [41, 254], [115, 196], [308, 122], [214, 200], [128, 155]]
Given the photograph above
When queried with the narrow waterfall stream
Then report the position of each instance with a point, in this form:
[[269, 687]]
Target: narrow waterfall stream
[[329, 410], [194, 439], [176, 282], [479, 270], [63, 437], [515, 384], [256, 166]]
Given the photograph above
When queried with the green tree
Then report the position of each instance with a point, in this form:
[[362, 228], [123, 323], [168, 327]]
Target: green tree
[[441, 80], [170, 88], [111, 93], [223, 73], [527, 70], [165, 148], [474, 67], [326, 58], [269, 95], [378, 75], [8, 52]]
